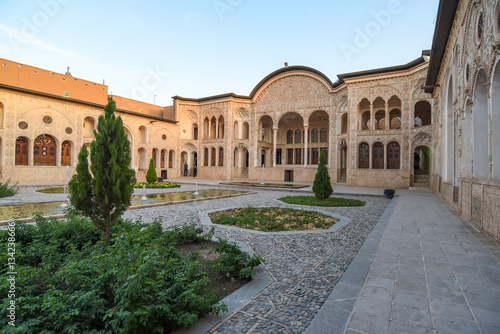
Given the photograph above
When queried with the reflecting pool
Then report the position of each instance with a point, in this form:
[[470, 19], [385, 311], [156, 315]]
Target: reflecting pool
[[18, 211]]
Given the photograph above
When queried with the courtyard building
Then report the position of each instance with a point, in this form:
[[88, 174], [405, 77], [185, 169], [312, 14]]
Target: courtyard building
[[431, 123]]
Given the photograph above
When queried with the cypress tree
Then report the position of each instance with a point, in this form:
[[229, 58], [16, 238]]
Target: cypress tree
[[322, 186], [151, 176], [106, 194]]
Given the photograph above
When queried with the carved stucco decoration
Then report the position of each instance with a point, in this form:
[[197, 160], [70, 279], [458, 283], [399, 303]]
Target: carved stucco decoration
[[190, 115], [422, 138], [385, 92], [293, 92], [188, 148], [242, 115]]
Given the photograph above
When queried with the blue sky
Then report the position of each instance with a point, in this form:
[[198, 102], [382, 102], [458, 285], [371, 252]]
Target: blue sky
[[200, 48]]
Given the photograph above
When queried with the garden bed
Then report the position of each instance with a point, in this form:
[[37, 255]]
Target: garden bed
[[273, 219], [148, 279], [328, 202]]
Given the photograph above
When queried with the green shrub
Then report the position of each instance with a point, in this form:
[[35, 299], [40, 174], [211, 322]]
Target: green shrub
[[322, 186], [7, 190], [151, 176], [233, 262], [69, 281]]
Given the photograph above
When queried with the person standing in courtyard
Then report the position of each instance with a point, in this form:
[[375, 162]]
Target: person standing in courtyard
[[185, 169], [195, 170]]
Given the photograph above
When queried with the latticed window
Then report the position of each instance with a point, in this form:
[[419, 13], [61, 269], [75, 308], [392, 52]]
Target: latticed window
[[221, 156], [298, 135], [378, 156], [289, 137], [314, 156], [314, 135], [289, 154], [154, 153], [298, 156], [66, 154], [393, 155], [22, 145], [213, 156], [364, 156], [205, 157], [44, 151], [162, 159], [170, 159], [324, 135]]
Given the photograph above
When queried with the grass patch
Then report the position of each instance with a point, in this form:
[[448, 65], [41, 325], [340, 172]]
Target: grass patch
[[52, 190], [266, 185], [157, 185], [313, 201], [273, 219]]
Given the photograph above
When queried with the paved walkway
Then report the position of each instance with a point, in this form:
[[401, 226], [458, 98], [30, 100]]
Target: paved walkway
[[424, 269]]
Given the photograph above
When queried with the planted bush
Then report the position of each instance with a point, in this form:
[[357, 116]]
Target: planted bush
[[71, 282], [233, 262], [7, 190], [322, 186], [151, 176]]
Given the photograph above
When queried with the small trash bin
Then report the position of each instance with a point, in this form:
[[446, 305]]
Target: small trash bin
[[160, 179], [389, 193]]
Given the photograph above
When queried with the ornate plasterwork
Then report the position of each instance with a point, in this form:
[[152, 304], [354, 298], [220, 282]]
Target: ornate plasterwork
[[385, 92], [422, 138], [242, 115], [190, 115], [189, 148], [293, 92]]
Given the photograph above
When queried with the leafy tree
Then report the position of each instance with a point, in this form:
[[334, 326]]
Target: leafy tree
[[105, 194], [151, 176], [322, 186]]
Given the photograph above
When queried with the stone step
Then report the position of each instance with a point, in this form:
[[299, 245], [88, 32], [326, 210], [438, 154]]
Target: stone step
[[421, 188]]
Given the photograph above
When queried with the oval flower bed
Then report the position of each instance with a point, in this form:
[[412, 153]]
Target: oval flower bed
[[157, 185], [273, 219]]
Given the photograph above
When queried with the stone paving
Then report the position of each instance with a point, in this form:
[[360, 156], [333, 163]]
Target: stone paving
[[433, 273], [304, 267]]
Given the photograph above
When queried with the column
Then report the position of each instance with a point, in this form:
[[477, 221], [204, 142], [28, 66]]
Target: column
[[306, 137], [387, 124], [217, 128], [275, 139], [372, 117]]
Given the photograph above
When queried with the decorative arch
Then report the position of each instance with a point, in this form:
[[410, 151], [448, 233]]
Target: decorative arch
[[89, 125], [422, 114], [393, 155], [22, 150], [45, 150], [143, 134], [495, 111], [378, 156], [363, 155], [480, 120], [66, 157]]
